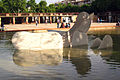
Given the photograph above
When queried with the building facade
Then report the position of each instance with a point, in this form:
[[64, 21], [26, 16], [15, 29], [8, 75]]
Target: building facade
[[76, 2], [109, 16], [28, 18]]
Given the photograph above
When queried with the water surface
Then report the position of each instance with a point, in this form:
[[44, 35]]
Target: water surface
[[66, 64]]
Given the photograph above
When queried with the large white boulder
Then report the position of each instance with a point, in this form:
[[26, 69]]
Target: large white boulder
[[37, 41], [106, 43], [79, 39], [96, 43]]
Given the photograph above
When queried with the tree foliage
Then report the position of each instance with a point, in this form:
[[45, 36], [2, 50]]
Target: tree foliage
[[105, 5], [42, 6], [31, 5], [14, 6], [51, 8], [2, 8], [21, 6]]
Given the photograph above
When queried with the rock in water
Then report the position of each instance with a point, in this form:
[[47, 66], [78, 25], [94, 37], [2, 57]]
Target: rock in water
[[106, 43], [79, 39], [81, 25], [37, 41], [96, 43]]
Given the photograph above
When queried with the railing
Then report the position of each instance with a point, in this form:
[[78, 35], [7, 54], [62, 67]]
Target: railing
[[36, 14], [2, 14]]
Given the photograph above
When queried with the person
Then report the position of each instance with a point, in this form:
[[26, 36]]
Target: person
[[63, 20], [98, 20], [58, 23], [36, 22], [46, 21], [69, 25], [66, 25], [118, 23], [2, 26], [69, 20], [62, 25]]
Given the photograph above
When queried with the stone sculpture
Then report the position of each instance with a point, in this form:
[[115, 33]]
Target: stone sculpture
[[96, 43], [76, 36], [106, 43], [81, 25], [79, 39]]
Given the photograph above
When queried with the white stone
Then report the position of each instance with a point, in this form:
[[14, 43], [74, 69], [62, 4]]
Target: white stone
[[79, 39], [96, 43], [37, 41], [106, 43]]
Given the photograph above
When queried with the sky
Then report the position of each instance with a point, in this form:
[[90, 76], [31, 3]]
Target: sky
[[49, 1]]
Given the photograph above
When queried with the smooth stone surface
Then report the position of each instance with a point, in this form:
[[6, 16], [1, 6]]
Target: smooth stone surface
[[106, 43], [82, 23], [37, 41], [96, 43], [79, 39]]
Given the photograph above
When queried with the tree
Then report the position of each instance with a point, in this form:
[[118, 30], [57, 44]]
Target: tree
[[19, 5], [68, 8], [105, 5], [2, 8], [114, 6], [51, 8], [60, 7], [8, 6], [14, 6], [42, 7], [86, 8], [32, 5]]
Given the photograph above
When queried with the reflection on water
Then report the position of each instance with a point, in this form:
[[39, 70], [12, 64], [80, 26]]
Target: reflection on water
[[79, 58], [30, 58], [112, 58], [66, 64]]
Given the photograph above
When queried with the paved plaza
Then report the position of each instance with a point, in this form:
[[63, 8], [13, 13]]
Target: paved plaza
[[44, 26]]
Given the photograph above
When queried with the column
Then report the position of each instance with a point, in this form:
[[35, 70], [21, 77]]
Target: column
[[61, 19], [50, 19], [45, 19], [110, 17], [55, 19], [22, 20], [39, 19], [26, 20], [10, 20], [0, 20], [13, 20]]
